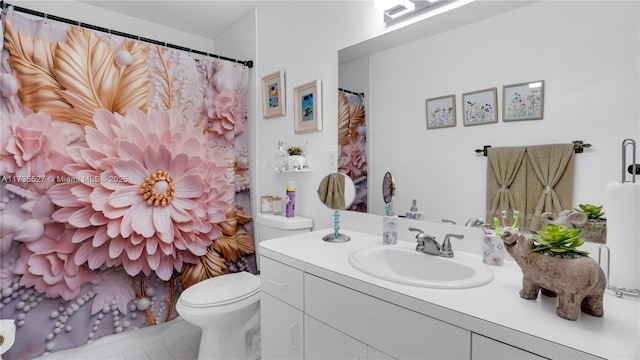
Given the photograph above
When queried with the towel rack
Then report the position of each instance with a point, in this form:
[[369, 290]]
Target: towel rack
[[578, 147]]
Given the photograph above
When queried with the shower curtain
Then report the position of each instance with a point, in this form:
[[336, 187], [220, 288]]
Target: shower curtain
[[352, 143], [125, 179]]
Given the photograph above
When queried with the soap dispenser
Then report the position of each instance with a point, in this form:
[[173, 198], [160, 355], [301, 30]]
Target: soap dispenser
[[414, 214]]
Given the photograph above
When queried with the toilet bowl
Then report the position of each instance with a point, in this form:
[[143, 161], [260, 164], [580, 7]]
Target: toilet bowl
[[227, 309]]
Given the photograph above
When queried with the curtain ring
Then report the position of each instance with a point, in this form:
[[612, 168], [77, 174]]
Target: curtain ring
[[503, 188], [547, 189]]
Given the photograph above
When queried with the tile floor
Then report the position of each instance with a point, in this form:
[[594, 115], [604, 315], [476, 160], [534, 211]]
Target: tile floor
[[175, 340]]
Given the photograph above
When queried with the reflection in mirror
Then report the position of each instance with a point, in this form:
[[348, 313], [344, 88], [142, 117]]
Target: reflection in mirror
[[336, 191], [388, 188]]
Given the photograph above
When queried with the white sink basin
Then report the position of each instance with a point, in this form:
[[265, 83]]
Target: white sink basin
[[414, 268]]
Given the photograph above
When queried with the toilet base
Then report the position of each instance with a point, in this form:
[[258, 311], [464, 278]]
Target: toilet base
[[218, 344]]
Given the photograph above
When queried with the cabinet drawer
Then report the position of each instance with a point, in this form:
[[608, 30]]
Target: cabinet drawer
[[282, 282], [395, 330]]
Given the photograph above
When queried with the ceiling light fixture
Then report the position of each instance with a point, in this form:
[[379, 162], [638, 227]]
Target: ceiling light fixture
[[395, 8]]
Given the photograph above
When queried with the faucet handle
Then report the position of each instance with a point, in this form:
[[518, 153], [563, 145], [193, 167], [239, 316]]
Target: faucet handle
[[416, 229], [447, 251]]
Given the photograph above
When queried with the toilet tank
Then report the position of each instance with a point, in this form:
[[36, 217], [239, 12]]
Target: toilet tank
[[269, 226]]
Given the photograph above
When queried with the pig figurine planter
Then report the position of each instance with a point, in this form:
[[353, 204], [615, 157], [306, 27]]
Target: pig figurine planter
[[579, 283]]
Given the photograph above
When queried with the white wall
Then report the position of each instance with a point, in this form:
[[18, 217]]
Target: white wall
[[79, 11], [586, 52]]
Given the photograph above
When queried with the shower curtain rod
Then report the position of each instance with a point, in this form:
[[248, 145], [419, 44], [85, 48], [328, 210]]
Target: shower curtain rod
[[351, 92], [578, 147], [4, 5]]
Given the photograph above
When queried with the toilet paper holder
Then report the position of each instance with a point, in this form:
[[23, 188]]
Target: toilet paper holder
[[634, 165], [618, 291]]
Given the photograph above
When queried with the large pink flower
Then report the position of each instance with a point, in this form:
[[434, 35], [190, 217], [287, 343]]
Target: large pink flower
[[32, 147], [143, 194], [353, 158], [48, 264]]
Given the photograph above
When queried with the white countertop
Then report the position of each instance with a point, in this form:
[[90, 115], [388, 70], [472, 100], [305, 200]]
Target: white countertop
[[494, 310]]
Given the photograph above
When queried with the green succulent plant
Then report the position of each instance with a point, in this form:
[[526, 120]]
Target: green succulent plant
[[558, 240], [593, 212], [294, 150]]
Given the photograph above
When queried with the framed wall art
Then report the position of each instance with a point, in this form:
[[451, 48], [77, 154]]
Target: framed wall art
[[524, 101], [308, 107], [273, 95], [480, 107], [441, 112]]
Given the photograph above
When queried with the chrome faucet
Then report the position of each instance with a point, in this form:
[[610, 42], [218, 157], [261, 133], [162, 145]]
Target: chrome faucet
[[428, 244]]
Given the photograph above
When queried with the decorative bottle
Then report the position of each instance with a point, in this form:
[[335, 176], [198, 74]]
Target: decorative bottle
[[414, 214], [291, 199], [389, 226]]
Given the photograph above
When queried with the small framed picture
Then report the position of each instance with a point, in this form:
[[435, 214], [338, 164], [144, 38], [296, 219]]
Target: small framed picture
[[308, 107], [441, 112], [273, 95], [524, 101], [480, 107]]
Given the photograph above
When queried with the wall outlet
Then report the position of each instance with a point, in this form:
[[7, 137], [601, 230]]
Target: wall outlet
[[333, 160]]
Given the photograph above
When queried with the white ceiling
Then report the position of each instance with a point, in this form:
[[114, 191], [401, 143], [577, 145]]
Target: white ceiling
[[205, 18]]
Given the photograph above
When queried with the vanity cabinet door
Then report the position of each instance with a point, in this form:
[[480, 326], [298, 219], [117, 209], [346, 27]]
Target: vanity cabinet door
[[484, 348], [395, 330], [281, 329], [322, 342]]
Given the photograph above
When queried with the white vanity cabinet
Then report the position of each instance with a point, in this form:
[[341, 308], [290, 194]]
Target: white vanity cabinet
[[335, 322], [282, 320]]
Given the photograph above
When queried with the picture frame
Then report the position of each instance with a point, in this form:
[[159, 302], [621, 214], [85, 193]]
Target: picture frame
[[523, 101], [441, 112], [308, 107], [480, 107], [273, 95]]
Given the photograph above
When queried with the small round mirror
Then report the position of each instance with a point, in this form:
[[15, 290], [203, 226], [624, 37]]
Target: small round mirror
[[388, 188], [336, 191]]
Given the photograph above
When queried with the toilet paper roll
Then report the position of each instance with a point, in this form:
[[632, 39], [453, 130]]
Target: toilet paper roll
[[622, 207], [8, 334]]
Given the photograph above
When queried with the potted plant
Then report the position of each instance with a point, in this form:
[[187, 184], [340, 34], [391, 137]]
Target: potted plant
[[559, 241], [552, 264], [595, 229], [297, 160]]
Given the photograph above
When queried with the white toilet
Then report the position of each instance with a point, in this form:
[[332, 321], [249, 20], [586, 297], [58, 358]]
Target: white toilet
[[227, 307]]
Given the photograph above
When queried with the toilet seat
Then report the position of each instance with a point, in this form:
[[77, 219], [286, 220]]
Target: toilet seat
[[221, 290]]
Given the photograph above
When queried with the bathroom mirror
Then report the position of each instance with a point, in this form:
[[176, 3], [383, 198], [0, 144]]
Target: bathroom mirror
[[336, 191], [397, 74], [401, 69]]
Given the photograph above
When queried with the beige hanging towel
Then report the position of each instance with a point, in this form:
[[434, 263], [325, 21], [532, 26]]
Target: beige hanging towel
[[506, 182], [331, 191], [549, 181]]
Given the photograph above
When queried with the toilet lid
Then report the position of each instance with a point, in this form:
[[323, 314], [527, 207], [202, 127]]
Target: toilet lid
[[221, 290]]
